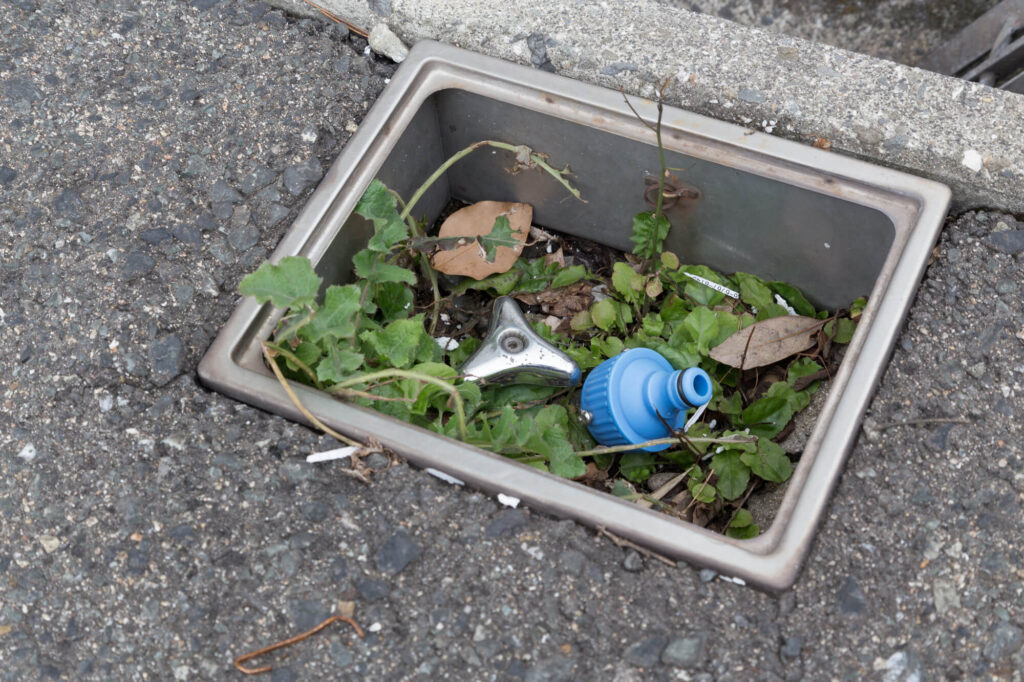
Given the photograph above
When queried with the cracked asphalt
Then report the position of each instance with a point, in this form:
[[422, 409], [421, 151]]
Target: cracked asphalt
[[152, 154]]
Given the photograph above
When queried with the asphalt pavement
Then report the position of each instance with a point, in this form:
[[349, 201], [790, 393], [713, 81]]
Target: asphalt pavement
[[152, 154]]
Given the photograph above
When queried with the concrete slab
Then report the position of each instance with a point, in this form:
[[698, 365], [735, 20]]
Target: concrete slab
[[962, 134]]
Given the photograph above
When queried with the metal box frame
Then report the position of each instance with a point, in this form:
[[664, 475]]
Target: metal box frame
[[833, 226]]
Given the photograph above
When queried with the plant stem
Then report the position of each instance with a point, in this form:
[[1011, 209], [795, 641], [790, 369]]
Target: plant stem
[[424, 261], [460, 410], [295, 360], [534, 158], [268, 354], [731, 440]]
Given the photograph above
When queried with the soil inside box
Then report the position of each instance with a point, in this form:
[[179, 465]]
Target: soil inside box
[[395, 342]]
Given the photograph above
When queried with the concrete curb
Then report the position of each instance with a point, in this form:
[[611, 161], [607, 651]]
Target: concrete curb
[[963, 134]]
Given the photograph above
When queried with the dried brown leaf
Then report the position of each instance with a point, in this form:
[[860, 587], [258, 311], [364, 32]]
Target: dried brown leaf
[[556, 257], [768, 341], [564, 302], [477, 220]]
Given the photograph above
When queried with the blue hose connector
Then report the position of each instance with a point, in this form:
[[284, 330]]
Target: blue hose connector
[[625, 394]]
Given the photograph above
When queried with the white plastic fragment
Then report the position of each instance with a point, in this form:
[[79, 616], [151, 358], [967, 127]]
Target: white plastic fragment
[[735, 581], [28, 453], [446, 342], [384, 41], [444, 477], [508, 500], [376, 627], [696, 415], [329, 455], [972, 160], [781, 301]]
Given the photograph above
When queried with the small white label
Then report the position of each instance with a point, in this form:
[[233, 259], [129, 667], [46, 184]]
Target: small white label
[[714, 285]]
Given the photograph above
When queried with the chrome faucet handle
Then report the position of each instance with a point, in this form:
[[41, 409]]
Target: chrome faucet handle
[[512, 353]]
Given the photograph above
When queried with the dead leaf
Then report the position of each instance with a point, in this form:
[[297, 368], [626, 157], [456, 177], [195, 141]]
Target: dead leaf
[[346, 609], [594, 476], [767, 341], [477, 220], [822, 143], [564, 302], [556, 257]]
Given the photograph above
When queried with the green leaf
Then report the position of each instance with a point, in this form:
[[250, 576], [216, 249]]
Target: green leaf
[[637, 466], [733, 474], [841, 330], [338, 365], [378, 205], [585, 356], [604, 313], [743, 526], [334, 318], [674, 310], [857, 307], [569, 275], [801, 368], [653, 325], [742, 519], [501, 284], [768, 416], [306, 353], [649, 234], [794, 298], [467, 346], [681, 355], [394, 299], [500, 235], [371, 267], [622, 490], [627, 281], [398, 343], [701, 492], [754, 292], [702, 325], [607, 346], [771, 310], [581, 321], [797, 400], [769, 462], [291, 284], [669, 260], [701, 293]]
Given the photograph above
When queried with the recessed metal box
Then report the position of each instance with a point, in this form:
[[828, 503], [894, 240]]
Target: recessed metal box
[[835, 227]]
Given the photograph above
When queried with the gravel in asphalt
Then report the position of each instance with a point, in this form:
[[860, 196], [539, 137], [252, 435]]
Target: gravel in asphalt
[[153, 154]]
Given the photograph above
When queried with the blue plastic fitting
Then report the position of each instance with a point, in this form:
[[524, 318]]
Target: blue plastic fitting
[[625, 394]]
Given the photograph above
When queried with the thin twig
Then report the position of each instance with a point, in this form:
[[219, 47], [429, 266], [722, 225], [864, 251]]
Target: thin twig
[[622, 543], [922, 422], [298, 404], [338, 20], [731, 440], [288, 642]]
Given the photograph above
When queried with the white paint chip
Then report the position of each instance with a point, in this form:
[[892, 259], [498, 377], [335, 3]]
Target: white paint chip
[[446, 342], [444, 477], [28, 453], [330, 455], [508, 500], [972, 159]]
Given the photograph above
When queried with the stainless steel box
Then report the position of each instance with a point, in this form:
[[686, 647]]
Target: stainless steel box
[[837, 228]]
